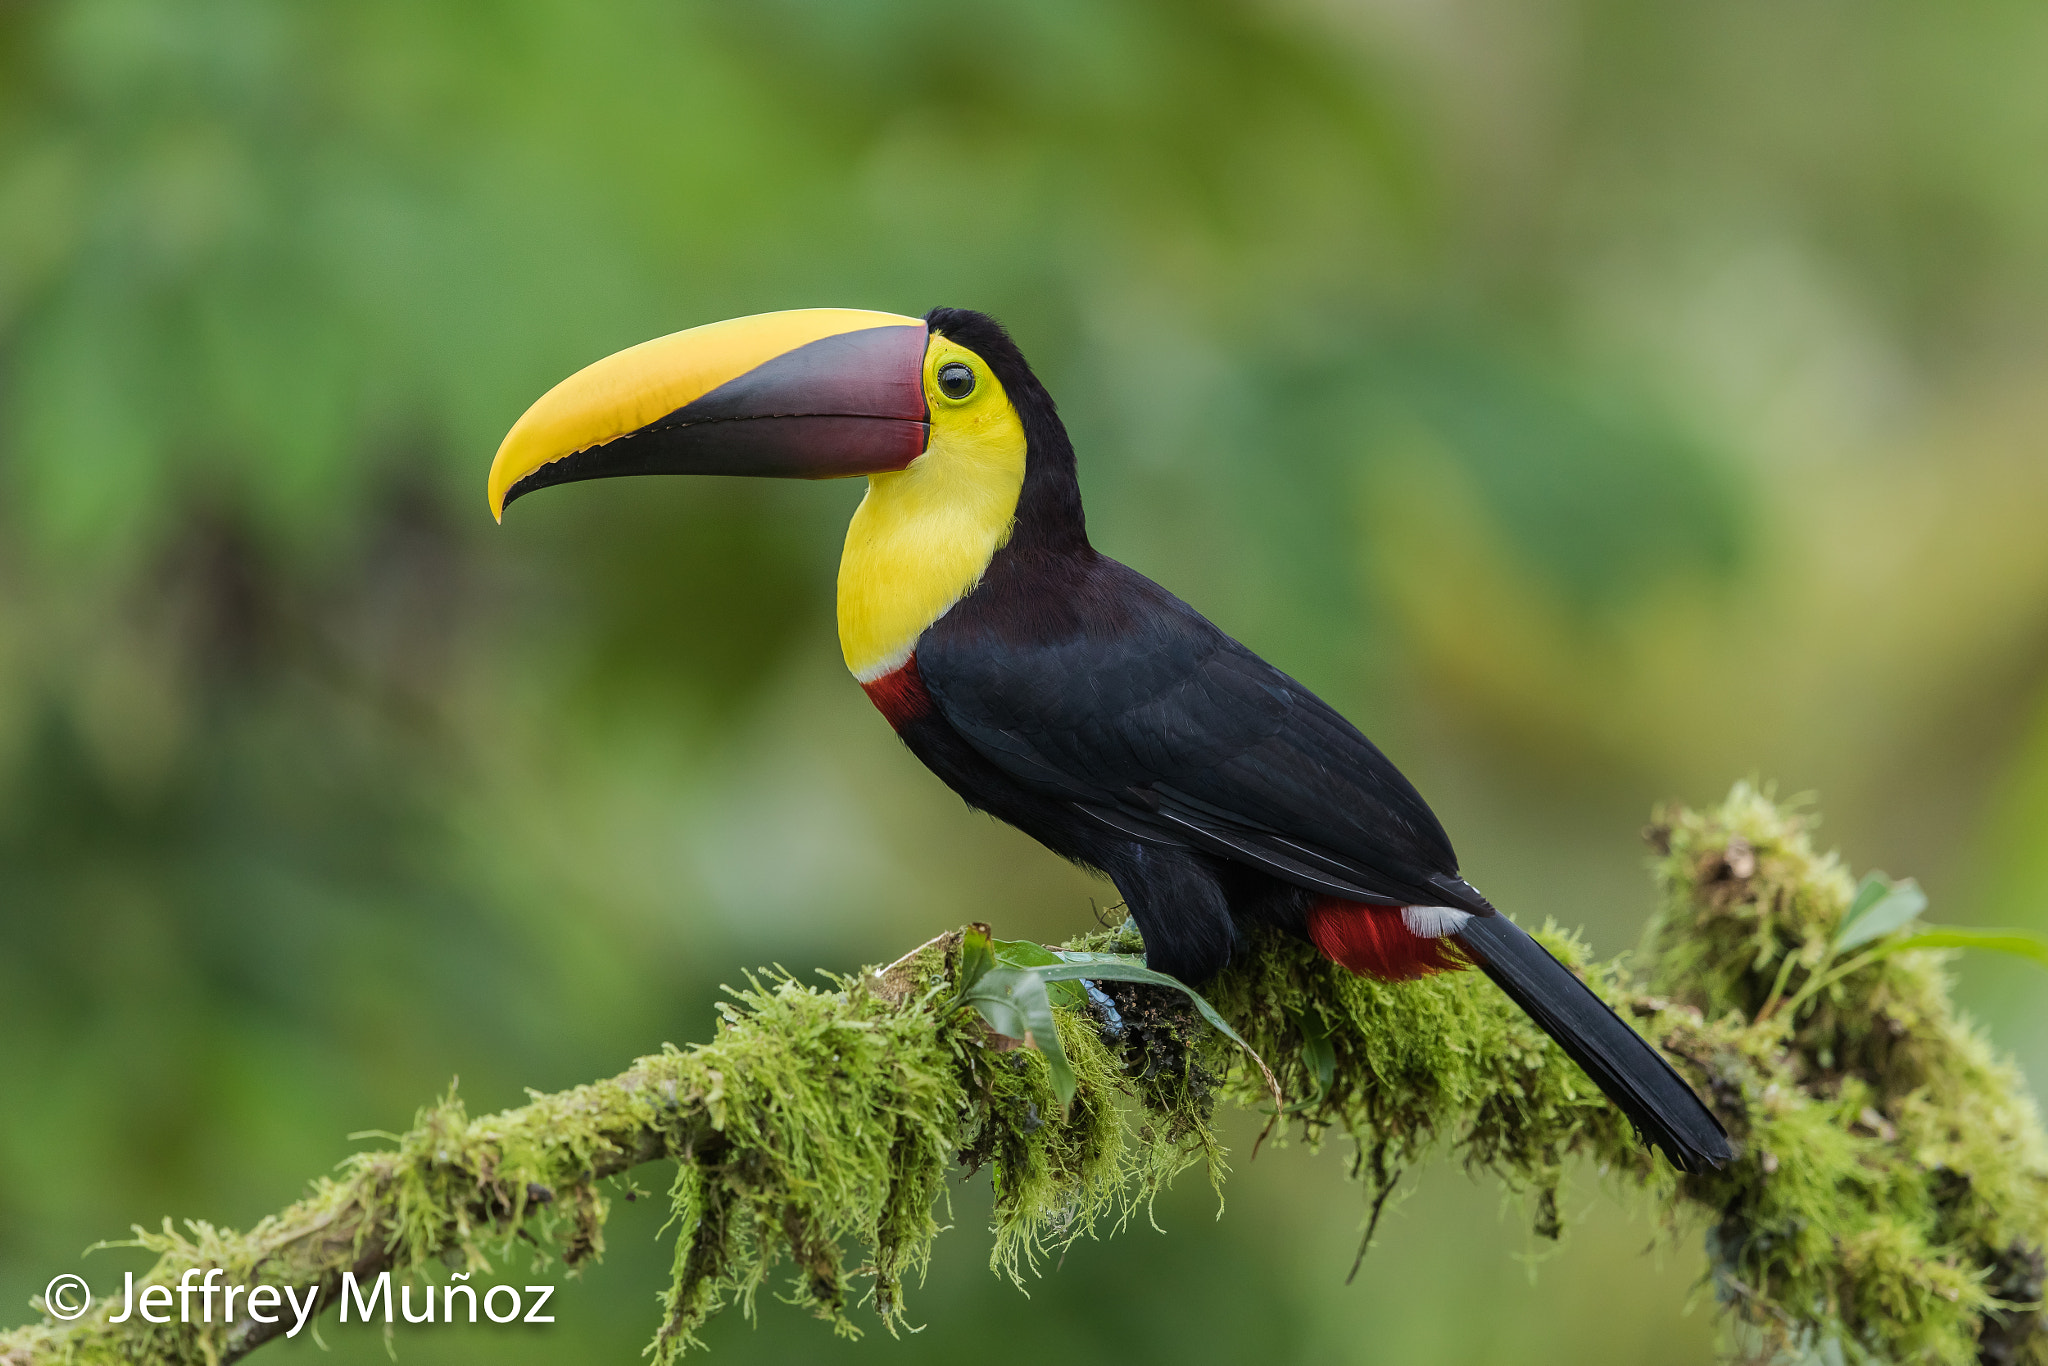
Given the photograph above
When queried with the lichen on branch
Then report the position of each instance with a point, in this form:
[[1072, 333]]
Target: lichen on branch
[[1890, 1195]]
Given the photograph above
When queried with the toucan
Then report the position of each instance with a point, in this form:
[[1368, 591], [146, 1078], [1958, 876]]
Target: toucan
[[1061, 691]]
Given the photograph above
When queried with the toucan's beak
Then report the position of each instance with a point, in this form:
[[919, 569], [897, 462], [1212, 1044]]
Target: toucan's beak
[[813, 393]]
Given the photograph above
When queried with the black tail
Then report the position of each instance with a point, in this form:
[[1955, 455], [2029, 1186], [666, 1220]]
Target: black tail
[[1621, 1063]]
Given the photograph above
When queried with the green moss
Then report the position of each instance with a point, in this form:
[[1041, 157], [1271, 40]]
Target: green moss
[[1892, 1191], [832, 1117], [1443, 1064], [1890, 1194]]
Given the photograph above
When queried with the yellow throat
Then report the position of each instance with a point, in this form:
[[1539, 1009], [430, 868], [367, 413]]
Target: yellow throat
[[923, 535]]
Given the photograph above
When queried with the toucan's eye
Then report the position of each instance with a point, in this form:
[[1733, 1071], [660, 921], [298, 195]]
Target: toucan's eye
[[956, 381]]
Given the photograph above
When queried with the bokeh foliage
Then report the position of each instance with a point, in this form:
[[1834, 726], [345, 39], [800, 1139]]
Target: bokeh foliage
[[1598, 401]]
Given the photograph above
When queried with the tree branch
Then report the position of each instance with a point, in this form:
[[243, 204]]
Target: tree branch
[[1891, 1188]]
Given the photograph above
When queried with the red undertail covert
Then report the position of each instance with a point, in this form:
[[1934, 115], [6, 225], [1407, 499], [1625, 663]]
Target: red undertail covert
[[1374, 941]]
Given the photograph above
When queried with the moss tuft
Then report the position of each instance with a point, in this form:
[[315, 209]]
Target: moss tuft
[[1892, 1187], [831, 1118]]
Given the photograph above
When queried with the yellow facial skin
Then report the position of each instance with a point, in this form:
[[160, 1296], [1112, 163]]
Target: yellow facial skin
[[922, 537]]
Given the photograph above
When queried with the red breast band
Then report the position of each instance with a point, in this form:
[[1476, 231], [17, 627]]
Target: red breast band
[[899, 694]]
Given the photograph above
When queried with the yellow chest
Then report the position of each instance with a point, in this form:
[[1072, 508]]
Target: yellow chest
[[922, 537]]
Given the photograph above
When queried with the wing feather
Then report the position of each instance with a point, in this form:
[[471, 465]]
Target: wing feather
[[1157, 724]]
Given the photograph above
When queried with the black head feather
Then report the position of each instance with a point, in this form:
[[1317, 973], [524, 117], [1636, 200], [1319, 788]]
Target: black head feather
[[1049, 515]]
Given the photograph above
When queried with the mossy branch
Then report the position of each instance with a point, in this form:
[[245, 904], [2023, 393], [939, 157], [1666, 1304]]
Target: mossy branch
[[1890, 1194]]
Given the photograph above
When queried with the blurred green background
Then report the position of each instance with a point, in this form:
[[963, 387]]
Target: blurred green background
[[1600, 402]]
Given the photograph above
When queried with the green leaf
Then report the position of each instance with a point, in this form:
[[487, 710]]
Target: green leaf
[[977, 955], [1022, 953], [1869, 892], [2018, 943], [1119, 967], [1880, 908], [1317, 1050], [1015, 983], [1015, 1004]]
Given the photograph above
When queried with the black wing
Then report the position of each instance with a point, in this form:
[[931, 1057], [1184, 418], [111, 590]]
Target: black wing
[[1130, 705]]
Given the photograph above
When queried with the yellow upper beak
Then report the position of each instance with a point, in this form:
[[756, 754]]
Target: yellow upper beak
[[808, 393]]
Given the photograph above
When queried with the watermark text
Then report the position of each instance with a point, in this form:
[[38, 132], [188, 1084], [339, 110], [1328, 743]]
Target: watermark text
[[205, 1297]]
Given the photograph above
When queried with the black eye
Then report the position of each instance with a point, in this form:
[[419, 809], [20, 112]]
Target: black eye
[[956, 381]]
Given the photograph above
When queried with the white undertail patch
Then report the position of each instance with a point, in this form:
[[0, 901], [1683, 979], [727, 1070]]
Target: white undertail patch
[[1433, 922]]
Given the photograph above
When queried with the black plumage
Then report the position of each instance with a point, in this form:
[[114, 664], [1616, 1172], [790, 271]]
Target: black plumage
[[1081, 702]]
